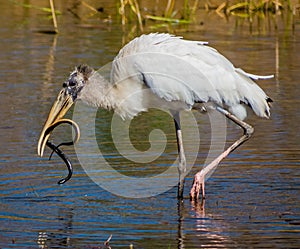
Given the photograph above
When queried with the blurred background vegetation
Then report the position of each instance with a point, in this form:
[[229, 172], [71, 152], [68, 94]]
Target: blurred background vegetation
[[155, 14]]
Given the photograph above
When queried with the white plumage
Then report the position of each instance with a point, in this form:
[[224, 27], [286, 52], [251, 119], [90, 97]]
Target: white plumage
[[167, 72], [178, 71]]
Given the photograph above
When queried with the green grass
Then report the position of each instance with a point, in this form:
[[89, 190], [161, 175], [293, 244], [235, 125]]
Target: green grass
[[186, 12]]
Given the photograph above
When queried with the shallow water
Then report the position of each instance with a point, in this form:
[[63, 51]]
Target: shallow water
[[252, 198]]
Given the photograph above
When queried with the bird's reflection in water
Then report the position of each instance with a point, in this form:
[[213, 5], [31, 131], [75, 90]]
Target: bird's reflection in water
[[205, 232], [61, 238]]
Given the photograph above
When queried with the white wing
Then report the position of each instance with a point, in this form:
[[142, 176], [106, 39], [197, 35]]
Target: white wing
[[188, 71]]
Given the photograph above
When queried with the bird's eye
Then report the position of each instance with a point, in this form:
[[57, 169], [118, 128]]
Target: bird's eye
[[65, 84], [72, 83]]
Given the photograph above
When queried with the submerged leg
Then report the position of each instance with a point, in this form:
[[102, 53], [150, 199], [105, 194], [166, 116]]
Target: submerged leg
[[182, 160], [199, 178]]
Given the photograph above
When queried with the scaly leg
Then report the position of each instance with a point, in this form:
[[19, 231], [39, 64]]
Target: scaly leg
[[182, 160], [199, 178]]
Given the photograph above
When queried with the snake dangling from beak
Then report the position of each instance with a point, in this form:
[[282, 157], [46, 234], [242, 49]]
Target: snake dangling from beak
[[58, 151]]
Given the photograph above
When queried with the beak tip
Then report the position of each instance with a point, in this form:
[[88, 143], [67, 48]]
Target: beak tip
[[40, 150]]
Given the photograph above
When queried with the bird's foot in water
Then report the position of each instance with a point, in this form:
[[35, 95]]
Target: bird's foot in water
[[198, 185]]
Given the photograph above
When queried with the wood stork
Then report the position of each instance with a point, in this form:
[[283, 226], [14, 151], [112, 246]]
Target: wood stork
[[171, 72]]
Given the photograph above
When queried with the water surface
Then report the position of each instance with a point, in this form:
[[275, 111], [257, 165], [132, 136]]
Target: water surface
[[252, 199]]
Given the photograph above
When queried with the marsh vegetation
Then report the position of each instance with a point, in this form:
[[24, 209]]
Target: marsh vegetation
[[157, 14]]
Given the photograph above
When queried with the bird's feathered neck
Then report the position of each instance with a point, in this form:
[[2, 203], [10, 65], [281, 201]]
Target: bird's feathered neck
[[98, 91]]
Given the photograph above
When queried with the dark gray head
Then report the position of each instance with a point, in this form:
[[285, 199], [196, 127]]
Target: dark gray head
[[77, 80]]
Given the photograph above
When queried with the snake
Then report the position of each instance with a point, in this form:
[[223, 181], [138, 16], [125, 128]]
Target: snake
[[58, 151]]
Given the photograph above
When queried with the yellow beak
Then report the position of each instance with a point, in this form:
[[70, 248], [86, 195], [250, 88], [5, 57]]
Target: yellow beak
[[60, 107]]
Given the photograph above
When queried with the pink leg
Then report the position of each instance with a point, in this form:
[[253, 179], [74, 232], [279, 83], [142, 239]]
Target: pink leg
[[199, 178]]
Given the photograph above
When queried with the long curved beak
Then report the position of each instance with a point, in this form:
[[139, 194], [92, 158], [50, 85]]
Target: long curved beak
[[59, 108]]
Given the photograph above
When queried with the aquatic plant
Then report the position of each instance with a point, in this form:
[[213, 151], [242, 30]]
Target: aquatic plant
[[172, 12], [134, 7], [186, 12], [45, 9]]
